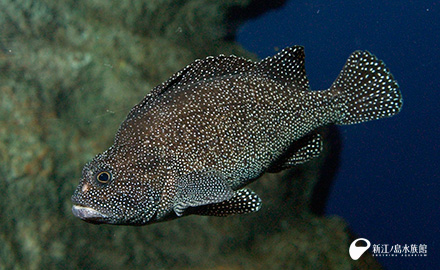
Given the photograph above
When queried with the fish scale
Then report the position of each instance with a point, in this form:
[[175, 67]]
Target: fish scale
[[195, 142]]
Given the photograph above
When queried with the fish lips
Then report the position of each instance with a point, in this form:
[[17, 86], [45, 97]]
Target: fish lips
[[89, 214]]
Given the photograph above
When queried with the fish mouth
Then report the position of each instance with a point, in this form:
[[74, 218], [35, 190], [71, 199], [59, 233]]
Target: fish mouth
[[89, 214]]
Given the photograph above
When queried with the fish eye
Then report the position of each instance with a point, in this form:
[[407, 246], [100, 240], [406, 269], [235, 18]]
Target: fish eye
[[103, 177]]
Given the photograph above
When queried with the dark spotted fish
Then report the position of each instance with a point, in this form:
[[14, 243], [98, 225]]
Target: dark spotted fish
[[197, 139]]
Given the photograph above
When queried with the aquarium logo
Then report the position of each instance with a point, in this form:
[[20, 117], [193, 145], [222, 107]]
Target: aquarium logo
[[357, 251], [386, 250]]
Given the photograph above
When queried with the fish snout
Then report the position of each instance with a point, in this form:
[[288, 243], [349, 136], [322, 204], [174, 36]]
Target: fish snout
[[89, 214]]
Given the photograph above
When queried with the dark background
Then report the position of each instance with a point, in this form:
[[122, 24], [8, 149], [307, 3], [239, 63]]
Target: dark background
[[387, 187]]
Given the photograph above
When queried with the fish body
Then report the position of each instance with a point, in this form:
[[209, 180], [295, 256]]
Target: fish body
[[195, 142]]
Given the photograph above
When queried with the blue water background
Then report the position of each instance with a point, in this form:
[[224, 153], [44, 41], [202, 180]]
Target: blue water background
[[387, 188]]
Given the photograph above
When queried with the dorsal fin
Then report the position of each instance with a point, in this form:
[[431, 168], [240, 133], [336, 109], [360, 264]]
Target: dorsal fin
[[286, 67], [198, 70]]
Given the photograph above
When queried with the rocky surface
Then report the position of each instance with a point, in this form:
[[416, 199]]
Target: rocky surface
[[69, 73]]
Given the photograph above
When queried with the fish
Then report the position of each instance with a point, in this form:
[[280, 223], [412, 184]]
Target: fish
[[195, 141]]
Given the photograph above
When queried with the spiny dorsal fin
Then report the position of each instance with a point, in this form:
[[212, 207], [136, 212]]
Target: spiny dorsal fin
[[286, 67], [199, 70], [207, 68]]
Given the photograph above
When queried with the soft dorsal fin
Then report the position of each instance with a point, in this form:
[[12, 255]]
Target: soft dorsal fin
[[286, 67], [210, 67]]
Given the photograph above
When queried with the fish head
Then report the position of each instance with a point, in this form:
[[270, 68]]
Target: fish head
[[114, 189]]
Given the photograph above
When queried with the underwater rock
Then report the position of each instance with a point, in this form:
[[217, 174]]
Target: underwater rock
[[69, 73]]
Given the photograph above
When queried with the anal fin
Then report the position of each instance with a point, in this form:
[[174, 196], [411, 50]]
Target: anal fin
[[301, 151]]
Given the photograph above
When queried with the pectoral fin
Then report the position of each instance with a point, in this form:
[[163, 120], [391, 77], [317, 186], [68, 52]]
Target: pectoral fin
[[244, 201], [201, 188]]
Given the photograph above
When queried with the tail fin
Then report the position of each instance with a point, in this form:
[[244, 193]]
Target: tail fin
[[366, 90]]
